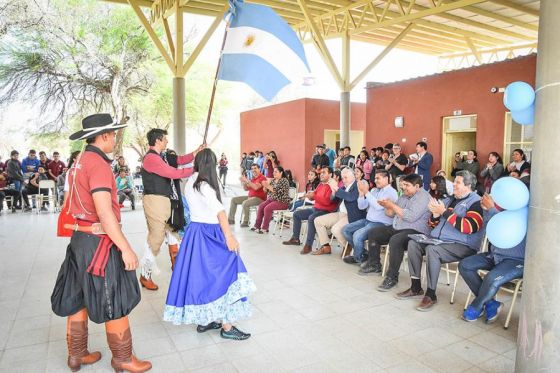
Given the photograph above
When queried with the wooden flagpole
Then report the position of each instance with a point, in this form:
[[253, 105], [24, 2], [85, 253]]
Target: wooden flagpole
[[215, 85]]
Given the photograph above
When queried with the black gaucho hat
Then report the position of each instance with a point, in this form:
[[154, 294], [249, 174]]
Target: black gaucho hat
[[95, 125]]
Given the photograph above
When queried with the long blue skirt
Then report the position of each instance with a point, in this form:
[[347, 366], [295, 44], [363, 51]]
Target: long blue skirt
[[209, 282]]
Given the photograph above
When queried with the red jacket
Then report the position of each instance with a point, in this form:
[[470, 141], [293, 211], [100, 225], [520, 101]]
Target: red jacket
[[322, 198]]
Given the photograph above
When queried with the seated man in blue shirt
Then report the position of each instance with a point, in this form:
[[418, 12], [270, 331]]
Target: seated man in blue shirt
[[125, 188], [503, 265], [410, 216], [357, 232], [30, 164]]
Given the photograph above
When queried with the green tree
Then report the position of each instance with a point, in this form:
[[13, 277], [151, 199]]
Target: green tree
[[76, 57], [80, 56]]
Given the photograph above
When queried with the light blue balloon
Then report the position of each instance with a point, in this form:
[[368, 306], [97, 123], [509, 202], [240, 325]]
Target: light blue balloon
[[519, 96], [525, 117], [508, 228], [510, 193]]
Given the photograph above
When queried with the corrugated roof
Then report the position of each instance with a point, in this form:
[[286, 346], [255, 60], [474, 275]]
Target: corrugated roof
[[441, 27], [373, 85]]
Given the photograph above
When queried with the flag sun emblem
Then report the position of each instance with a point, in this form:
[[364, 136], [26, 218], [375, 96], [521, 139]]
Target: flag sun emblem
[[249, 41]]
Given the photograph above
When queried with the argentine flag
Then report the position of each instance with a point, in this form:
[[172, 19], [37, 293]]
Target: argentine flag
[[261, 50]]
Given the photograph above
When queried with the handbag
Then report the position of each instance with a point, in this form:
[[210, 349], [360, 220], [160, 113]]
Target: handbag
[[65, 218]]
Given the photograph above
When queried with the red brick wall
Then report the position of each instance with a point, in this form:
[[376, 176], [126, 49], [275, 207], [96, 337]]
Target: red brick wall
[[425, 101], [293, 129]]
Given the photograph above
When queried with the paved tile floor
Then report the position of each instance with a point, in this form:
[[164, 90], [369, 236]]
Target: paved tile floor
[[311, 314]]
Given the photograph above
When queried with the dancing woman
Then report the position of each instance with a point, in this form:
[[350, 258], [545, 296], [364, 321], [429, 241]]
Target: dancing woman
[[210, 285]]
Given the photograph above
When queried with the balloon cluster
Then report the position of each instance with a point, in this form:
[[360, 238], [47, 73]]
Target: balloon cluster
[[519, 98], [508, 228]]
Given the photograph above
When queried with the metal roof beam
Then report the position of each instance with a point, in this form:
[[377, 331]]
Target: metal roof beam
[[494, 50], [380, 57], [404, 44], [474, 50], [372, 20], [499, 17], [321, 46], [155, 39], [421, 38], [476, 24], [202, 43], [519, 7], [398, 17]]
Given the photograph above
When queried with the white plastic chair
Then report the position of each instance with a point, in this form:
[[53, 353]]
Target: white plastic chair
[[50, 185], [278, 215]]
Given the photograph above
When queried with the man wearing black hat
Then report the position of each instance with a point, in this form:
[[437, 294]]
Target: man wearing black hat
[[97, 278], [320, 160], [159, 187]]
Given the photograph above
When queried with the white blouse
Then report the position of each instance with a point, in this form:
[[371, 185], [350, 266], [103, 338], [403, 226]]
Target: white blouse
[[204, 206]]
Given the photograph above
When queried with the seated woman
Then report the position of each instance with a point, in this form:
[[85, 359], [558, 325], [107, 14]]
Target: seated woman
[[518, 162], [337, 176], [448, 183], [278, 199], [503, 265], [290, 178], [438, 188], [493, 171], [312, 182], [359, 173], [365, 164]]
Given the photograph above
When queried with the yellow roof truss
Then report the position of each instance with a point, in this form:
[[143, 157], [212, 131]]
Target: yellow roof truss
[[451, 29]]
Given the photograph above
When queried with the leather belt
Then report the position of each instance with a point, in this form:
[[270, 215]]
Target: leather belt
[[85, 227]]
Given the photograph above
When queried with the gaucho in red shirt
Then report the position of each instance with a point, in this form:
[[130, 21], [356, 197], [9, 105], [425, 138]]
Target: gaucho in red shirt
[[97, 278], [325, 202]]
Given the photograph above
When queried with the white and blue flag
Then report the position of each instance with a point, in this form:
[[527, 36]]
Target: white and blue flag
[[261, 50]]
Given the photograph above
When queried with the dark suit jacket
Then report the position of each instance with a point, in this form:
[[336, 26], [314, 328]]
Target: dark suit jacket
[[351, 202], [424, 166]]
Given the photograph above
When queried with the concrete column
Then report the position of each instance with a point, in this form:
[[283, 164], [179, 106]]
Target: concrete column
[[538, 341], [179, 136], [344, 119]]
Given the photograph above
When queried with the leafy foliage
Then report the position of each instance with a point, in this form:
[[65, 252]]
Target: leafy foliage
[[72, 58]]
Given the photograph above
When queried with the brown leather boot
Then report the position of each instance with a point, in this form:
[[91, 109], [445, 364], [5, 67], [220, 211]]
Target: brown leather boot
[[306, 250], [77, 339], [325, 249], [173, 252], [148, 283], [120, 343]]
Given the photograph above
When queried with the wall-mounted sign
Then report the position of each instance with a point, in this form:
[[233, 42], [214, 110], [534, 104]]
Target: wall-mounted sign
[[399, 122]]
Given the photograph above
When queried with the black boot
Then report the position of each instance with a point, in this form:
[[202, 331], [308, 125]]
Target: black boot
[[370, 267], [373, 263]]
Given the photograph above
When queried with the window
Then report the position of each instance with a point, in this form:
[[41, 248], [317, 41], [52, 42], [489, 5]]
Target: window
[[517, 136]]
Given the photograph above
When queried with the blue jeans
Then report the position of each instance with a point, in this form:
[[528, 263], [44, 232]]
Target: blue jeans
[[357, 233], [485, 289], [309, 215]]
